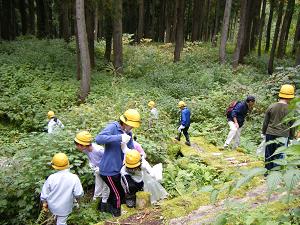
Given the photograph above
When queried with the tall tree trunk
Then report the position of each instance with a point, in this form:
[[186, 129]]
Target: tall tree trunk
[[31, 17], [261, 24], [161, 20], [140, 30], [169, 20], [8, 31], [297, 53], [89, 19], [84, 51], [41, 19], [179, 30], [255, 24], [297, 34], [225, 31], [78, 62], [196, 20], [216, 24], [64, 28], [117, 36], [108, 29], [174, 23], [269, 26], [241, 33], [275, 38], [23, 12], [285, 28], [96, 21]]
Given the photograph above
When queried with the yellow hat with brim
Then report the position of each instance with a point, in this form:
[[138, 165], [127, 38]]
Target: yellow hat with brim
[[60, 161], [287, 91], [132, 159], [83, 138], [131, 123]]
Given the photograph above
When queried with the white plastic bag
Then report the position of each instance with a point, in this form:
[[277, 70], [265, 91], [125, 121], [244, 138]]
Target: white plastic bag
[[157, 172], [260, 151], [156, 190]]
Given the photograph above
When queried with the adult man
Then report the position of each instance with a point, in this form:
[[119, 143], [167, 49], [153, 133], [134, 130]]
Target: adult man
[[185, 120], [236, 120], [274, 126]]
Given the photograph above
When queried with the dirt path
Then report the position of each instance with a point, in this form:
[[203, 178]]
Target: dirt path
[[208, 213]]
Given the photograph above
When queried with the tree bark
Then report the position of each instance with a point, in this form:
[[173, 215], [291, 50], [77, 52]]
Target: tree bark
[[31, 17], [269, 26], [8, 31], [225, 31], [285, 28], [255, 24], [275, 38], [241, 33], [89, 20], [261, 24], [179, 30], [216, 25], [117, 36], [297, 53], [41, 19], [23, 12], [196, 20], [84, 51], [108, 29], [64, 28], [140, 30], [297, 35], [96, 21]]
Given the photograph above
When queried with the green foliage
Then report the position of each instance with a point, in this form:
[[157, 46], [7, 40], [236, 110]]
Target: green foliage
[[185, 175]]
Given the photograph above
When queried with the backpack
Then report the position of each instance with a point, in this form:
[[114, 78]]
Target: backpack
[[230, 108]]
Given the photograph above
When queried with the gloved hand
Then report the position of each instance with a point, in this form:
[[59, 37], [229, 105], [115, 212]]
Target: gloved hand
[[180, 128], [125, 138], [263, 136], [76, 205], [45, 206], [124, 147]]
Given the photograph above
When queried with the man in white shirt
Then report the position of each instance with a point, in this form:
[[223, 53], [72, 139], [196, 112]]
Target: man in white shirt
[[83, 142], [61, 189], [53, 122]]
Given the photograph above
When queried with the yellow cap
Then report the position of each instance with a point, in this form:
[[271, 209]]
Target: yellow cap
[[132, 159], [60, 161], [83, 138], [131, 117], [181, 104], [50, 114], [287, 91]]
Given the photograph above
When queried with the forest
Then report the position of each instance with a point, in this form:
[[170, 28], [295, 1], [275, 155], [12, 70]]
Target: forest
[[89, 61]]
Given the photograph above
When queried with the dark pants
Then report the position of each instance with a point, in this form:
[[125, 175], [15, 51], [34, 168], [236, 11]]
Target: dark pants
[[116, 195], [270, 149], [185, 133], [133, 186]]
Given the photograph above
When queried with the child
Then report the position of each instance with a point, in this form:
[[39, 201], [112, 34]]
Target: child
[[53, 122], [137, 175], [83, 142], [138, 147], [153, 114], [61, 189]]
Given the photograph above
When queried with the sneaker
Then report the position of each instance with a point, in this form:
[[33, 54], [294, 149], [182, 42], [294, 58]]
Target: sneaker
[[188, 143], [130, 201], [116, 212], [104, 207], [177, 138], [223, 147]]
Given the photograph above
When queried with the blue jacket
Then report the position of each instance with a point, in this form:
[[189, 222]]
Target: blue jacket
[[240, 112], [112, 160], [185, 119]]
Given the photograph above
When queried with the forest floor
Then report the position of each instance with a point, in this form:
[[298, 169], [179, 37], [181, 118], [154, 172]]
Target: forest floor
[[176, 211]]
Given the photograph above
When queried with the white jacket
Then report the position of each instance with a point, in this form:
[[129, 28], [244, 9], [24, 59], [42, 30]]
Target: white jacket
[[59, 192]]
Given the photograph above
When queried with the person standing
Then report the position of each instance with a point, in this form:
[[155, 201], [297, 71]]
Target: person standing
[[83, 142], [61, 189], [53, 122], [185, 120], [274, 127], [153, 113], [112, 136], [236, 119]]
